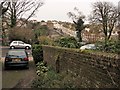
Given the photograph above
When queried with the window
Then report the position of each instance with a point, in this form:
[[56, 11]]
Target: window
[[14, 42], [20, 42], [17, 53]]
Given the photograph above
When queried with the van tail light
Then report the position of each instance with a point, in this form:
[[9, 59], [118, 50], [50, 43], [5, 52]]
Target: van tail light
[[26, 59]]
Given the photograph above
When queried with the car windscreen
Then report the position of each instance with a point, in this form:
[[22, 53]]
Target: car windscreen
[[17, 53]]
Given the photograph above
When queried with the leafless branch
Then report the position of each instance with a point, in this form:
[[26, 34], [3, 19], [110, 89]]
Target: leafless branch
[[106, 14], [20, 8]]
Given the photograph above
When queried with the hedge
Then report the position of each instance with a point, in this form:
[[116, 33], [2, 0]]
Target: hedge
[[37, 53]]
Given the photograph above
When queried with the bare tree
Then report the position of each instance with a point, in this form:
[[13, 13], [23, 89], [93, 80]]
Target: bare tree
[[78, 21], [21, 8], [3, 10], [24, 34], [106, 14], [95, 28]]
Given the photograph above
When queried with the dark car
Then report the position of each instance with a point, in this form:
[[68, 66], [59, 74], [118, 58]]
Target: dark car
[[16, 58]]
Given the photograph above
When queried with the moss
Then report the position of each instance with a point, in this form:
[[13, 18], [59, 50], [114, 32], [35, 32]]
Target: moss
[[62, 49]]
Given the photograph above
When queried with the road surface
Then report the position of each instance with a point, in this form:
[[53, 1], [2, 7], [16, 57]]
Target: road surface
[[17, 78]]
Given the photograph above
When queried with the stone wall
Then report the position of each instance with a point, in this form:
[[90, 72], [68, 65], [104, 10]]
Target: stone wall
[[91, 70]]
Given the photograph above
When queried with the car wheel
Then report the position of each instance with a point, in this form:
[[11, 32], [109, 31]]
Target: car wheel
[[27, 47], [12, 47]]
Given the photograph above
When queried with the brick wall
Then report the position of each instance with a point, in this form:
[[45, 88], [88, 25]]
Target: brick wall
[[90, 70]]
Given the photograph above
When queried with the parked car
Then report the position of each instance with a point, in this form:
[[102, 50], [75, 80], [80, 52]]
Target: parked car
[[19, 44], [83, 43], [88, 46], [16, 57]]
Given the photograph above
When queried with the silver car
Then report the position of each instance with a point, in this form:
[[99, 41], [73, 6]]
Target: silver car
[[88, 46], [19, 44]]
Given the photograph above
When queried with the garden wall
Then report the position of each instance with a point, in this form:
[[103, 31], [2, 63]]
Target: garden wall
[[89, 69]]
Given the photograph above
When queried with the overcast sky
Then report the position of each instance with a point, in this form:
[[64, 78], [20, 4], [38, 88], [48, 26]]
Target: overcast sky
[[58, 9]]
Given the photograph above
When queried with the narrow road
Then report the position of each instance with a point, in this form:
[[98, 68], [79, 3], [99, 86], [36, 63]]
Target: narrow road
[[20, 77]]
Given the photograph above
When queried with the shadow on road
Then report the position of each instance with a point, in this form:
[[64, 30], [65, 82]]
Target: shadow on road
[[15, 68]]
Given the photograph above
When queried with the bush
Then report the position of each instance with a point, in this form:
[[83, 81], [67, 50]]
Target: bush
[[112, 46], [22, 34], [37, 53], [47, 78], [41, 68], [41, 31], [45, 40], [69, 42], [118, 47]]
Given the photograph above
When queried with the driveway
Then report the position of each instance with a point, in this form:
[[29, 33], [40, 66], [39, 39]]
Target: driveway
[[20, 77]]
